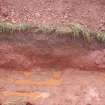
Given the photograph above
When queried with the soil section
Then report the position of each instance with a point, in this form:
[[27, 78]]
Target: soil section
[[90, 13]]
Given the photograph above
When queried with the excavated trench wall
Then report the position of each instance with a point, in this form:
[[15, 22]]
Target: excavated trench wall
[[28, 50]]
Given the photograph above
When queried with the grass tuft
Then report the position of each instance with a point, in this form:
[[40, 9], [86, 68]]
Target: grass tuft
[[80, 32], [63, 30], [100, 36], [47, 29], [73, 30], [10, 27]]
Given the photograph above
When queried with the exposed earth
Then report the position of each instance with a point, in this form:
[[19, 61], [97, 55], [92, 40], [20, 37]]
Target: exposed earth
[[52, 87], [90, 13], [39, 69], [49, 70]]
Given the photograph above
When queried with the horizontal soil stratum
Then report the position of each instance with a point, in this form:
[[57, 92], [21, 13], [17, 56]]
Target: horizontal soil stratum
[[52, 52]]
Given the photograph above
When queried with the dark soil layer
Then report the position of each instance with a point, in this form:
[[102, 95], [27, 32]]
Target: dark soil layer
[[24, 51]]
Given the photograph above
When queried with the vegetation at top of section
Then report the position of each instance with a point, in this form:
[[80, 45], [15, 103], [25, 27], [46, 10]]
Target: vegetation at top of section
[[11, 27], [74, 30]]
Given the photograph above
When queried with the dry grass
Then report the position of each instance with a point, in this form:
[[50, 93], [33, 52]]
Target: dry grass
[[47, 29], [100, 36], [74, 30], [80, 31], [10, 27]]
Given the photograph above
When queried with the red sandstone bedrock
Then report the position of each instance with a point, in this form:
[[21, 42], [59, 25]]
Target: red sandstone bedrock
[[25, 52]]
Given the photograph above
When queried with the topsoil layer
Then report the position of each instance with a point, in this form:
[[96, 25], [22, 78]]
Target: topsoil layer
[[87, 12]]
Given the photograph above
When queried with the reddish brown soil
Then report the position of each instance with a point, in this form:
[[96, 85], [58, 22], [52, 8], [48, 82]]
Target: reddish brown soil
[[87, 12], [52, 87], [52, 70], [25, 52], [45, 70]]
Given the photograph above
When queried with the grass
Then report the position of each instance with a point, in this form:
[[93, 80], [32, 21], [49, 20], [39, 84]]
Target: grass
[[100, 36], [80, 32], [73, 30], [47, 29], [10, 27]]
